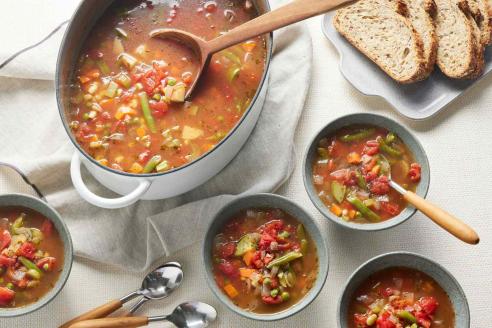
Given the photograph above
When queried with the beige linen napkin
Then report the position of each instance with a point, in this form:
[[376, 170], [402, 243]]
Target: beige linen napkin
[[32, 138]]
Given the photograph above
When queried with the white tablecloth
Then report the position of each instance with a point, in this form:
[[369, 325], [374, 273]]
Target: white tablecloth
[[459, 145]]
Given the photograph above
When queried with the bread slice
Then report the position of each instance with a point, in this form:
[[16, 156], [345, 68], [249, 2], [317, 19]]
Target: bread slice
[[480, 46], [379, 31], [421, 14], [480, 9], [457, 46]]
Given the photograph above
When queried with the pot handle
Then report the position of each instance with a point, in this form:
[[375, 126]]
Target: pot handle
[[99, 201]]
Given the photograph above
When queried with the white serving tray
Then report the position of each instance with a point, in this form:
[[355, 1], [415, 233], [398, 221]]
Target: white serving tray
[[416, 101]]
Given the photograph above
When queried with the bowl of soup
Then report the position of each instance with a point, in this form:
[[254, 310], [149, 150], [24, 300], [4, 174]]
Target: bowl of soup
[[35, 254], [265, 257], [347, 169], [121, 95], [402, 289]]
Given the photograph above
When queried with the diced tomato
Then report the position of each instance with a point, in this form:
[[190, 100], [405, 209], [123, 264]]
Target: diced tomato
[[284, 247], [27, 250], [228, 269], [126, 96], [227, 250], [149, 85], [273, 227], [423, 319], [265, 241], [384, 321], [159, 106], [6, 295], [390, 208], [415, 172], [429, 304], [380, 186], [47, 228], [268, 258], [387, 292], [341, 175], [4, 239], [6, 261], [49, 261], [370, 176], [144, 156], [271, 300]]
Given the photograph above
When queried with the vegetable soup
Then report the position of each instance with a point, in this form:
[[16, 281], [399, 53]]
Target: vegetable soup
[[400, 297], [31, 256], [264, 260], [127, 107], [350, 173]]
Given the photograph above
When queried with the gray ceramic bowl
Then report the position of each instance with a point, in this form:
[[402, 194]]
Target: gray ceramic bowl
[[410, 260], [47, 211], [266, 201], [365, 118]]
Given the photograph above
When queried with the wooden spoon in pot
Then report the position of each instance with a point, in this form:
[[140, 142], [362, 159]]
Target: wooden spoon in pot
[[293, 12]]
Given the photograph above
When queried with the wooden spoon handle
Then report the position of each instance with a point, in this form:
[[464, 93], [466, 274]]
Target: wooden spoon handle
[[99, 312], [448, 222], [112, 322], [293, 12]]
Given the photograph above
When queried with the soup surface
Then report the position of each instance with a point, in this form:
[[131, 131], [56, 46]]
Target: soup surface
[[264, 261], [127, 100], [31, 256], [400, 297], [350, 173]]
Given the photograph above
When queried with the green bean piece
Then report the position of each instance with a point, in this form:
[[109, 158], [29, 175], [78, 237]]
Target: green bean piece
[[300, 232], [385, 148], [232, 57], [103, 67], [233, 73], [144, 102], [29, 265], [362, 134], [361, 182], [283, 234], [338, 191], [304, 246], [390, 138], [34, 274], [363, 209], [18, 223], [284, 259], [371, 320], [407, 316], [151, 164]]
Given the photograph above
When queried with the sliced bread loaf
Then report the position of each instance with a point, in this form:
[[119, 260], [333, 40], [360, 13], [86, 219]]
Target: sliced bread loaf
[[480, 9], [421, 13], [457, 46], [480, 46], [378, 30]]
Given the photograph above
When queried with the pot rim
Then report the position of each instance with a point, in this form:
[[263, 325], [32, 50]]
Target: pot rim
[[261, 85]]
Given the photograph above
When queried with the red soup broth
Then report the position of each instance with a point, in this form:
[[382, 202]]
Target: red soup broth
[[127, 107], [264, 260], [31, 256], [400, 297], [350, 173]]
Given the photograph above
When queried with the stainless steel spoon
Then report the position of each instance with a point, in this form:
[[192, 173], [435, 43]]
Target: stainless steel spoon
[[186, 315], [157, 285], [448, 222]]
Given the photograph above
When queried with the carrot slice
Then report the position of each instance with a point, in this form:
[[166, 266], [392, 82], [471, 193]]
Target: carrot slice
[[248, 257], [246, 273], [335, 209], [231, 291]]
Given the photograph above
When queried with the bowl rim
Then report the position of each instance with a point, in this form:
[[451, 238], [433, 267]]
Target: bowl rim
[[320, 244], [369, 119], [67, 261], [61, 109], [363, 266]]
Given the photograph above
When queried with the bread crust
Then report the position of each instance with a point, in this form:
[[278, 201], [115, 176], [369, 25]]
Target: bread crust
[[420, 71]]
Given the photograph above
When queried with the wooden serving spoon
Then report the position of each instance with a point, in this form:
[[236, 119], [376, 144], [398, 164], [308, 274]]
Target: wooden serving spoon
[[293, 12], [448, 222]]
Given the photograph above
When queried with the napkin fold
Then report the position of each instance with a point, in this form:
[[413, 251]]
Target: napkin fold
[[33, 139]]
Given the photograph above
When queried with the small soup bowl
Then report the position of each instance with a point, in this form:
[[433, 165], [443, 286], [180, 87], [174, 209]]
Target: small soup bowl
[[266, 201], [47, 211], [410, 260], [366, 119]]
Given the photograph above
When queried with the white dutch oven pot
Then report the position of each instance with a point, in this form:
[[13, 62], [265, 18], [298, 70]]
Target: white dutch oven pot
[[134, 187]]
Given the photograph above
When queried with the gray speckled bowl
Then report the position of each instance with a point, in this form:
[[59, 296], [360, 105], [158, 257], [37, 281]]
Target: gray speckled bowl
[[404, 259], [372, 119], [266, 201], [46, 210]]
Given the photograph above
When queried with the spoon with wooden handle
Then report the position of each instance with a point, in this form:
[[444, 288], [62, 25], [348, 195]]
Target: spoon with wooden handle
[[293, 12], [447, 221]]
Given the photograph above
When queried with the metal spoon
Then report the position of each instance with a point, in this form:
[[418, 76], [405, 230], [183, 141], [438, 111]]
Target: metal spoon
[[186, 315], [448, 222], [291, 13], [157, 285]]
